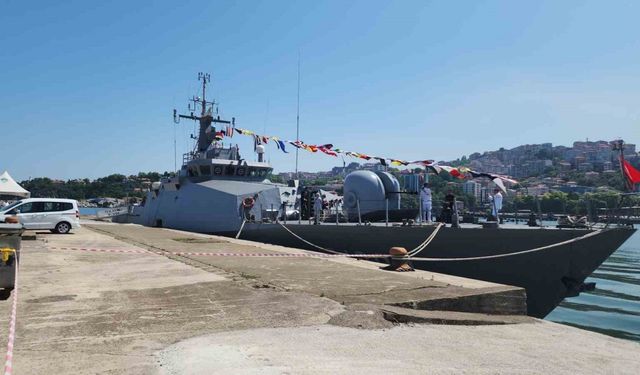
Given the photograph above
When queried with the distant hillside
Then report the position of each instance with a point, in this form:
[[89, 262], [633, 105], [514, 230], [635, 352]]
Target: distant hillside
[[590, 163], [113, 186]]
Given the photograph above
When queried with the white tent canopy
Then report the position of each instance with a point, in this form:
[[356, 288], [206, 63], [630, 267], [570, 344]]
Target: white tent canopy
[[8, 186]]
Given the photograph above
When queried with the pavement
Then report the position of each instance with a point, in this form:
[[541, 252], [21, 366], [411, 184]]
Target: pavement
[[110, 313], [544, 348], [346, 281]]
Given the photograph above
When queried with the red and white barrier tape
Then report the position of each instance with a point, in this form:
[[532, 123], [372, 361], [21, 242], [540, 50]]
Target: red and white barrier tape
[[248, 255], [8, 364]]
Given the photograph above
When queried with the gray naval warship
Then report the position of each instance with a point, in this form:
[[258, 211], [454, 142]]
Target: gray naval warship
[[217, 191]]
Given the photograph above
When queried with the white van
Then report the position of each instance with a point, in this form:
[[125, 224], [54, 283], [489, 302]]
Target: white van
[[57, 215]]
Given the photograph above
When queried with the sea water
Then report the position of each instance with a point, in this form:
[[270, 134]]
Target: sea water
[[90, 211], [613, 308]]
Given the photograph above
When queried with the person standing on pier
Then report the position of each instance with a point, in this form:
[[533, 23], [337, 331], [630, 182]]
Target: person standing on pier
[[425, 199]]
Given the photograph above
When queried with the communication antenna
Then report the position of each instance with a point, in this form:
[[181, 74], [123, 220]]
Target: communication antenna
[[205, 119]]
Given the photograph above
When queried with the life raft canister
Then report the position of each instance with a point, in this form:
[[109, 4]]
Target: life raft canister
[[248, 202]]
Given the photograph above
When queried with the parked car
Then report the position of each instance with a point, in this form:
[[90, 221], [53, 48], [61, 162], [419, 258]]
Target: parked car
[[56, 215]]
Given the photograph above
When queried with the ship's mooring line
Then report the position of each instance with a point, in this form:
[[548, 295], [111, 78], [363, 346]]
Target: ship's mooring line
[[8, 363], [426, 242], [335, 254], [510, 254], [416, 250], [309, 243], [241, 227], [247, 255]]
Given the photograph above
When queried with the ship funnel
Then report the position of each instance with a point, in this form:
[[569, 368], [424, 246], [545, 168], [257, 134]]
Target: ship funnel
[[260, 151]]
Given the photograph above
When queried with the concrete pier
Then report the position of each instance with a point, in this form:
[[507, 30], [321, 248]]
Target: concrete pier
[[118, 313]]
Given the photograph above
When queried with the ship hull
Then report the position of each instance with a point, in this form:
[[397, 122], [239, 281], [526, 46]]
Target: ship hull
[[549, 274]]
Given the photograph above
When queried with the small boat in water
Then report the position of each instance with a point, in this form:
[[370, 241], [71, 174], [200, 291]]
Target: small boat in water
[[217, 191]]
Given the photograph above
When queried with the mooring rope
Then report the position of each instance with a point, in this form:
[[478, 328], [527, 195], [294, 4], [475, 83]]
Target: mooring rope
[[333, 252], [416, 250], [426, 242], [241, 227], [309, 243], [510, 254]]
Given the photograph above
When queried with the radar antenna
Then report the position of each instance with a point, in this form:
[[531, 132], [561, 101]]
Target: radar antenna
[[206, 135]]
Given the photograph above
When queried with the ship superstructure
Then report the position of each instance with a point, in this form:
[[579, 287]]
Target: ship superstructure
[[216, 189]]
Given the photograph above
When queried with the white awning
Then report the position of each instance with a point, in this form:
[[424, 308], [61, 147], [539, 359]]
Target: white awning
[[8, 186]]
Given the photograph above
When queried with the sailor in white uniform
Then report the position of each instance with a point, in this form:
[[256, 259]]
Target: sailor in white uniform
[[425, 199], [317, 208], [497, 204]]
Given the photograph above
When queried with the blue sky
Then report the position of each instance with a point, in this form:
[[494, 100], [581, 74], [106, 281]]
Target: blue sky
[[87, 88]]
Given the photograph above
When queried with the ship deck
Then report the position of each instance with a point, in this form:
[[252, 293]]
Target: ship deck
[[507, 225]]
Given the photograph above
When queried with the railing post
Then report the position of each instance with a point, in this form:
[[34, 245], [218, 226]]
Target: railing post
[[284, 214], [420, 210], [539, 210], [358, 205], [495, 210], [386, 222], [454, 215], [336, 213]]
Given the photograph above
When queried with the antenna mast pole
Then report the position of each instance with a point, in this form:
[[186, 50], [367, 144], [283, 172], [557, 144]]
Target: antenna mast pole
[[205, 119], [618, 145], [205, 78], [298, 117]]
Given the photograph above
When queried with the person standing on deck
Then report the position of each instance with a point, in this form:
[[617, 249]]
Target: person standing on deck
[[425, 199], [496, 204], [317, 208]]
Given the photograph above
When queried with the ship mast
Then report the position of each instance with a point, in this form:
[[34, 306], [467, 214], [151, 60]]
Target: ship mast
[[205, 137], [618, 145], [298, 118]]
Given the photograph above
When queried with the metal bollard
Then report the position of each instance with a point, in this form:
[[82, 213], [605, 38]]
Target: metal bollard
[[399, 260]]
